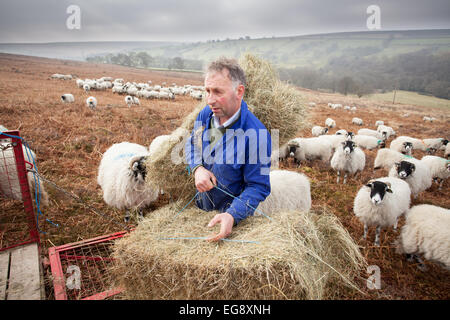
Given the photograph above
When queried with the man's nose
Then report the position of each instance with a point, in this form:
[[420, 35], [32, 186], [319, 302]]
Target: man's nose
[[210, 98]]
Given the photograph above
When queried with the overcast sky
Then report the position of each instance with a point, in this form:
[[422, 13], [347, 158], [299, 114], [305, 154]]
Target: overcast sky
[[200, 20]]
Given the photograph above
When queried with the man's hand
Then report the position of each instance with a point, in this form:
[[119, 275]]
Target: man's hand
[[204, 179], [226, 221]]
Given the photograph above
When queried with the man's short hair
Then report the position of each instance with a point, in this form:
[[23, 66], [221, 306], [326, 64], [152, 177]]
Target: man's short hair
[[236, 74]]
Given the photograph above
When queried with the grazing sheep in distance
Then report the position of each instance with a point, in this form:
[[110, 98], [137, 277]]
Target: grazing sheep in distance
[[439, 168], [122, 175], [380, 203], [86, 87], [67, 98], [373, 133], [348, 158], [91, 102], [357, 121], [430, 119], [426, 231], [289, 191], [341, 132], [330, 123], [414, 172], [388, 131], [318, 131]]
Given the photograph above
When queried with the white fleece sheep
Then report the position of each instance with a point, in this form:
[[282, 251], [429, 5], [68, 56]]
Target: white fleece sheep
[[311, 148], [341, 132], [157, 142], [121, 175], [389, 131], [426, 231], [318, 131], [397, 143], [67, 98], [380, 203], [414, 172], [379, 123], [348, 158], [386, 158], [9, 180], [357, 121], [330, 123], [439, 168], [434, 144], [373, 133], [91, 102], [289, 190], [368, 142]]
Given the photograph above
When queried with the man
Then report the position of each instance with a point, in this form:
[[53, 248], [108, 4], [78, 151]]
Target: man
[[229, 150]]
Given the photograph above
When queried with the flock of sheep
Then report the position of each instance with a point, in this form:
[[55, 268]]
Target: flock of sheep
[[380, 202], [132, 90]]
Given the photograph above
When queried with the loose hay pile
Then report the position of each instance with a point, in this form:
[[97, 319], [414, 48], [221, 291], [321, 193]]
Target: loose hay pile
[[276, 104], [297, 256]]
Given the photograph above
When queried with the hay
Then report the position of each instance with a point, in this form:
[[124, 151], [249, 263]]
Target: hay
[[276, 104], [297, 256]]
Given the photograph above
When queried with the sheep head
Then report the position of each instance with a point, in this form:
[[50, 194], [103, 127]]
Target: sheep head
[[137, 167]]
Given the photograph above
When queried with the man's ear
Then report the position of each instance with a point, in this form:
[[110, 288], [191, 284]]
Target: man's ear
[[240, 90]]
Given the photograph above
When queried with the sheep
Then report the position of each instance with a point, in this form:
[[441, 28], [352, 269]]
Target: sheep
[[426, 231], [166, 95], [289, 190], [312, 104], [379, 123], [136, 101], [86, 87], [67, 98], [9, 181], [389, 131], [430, 119], [447, 151], [330, 123], [368, 142], [129, 100], [122, 178], [310, 149], [348, 158], [434, 144], [439, 168], [357, 121], [353, 109], [318, 131], [79, 83], [373, 133], [414, 172], [157, 143], [336, 139], [91, 102], [398, 144], [341, 132], [196, 94], [282, 153], [380, 203], [386, 158]]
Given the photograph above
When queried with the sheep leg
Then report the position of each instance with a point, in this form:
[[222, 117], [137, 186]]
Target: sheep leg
[[338, 176], [345, 178], [377, 236], [395, 224], [366, 229], [127, 216], [440, 184]]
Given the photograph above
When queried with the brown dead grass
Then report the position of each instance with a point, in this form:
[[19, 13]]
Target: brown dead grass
[[70, 139]]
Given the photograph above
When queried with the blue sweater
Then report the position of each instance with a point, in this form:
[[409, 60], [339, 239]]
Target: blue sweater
[[240, 162]]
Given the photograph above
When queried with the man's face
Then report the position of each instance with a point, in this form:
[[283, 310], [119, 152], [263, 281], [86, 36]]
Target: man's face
[[221, 95]]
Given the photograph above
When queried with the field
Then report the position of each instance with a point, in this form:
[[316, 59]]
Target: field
[[407, 97], [69, 140]]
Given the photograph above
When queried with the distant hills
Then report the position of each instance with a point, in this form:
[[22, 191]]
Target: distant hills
[[288, 52]]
